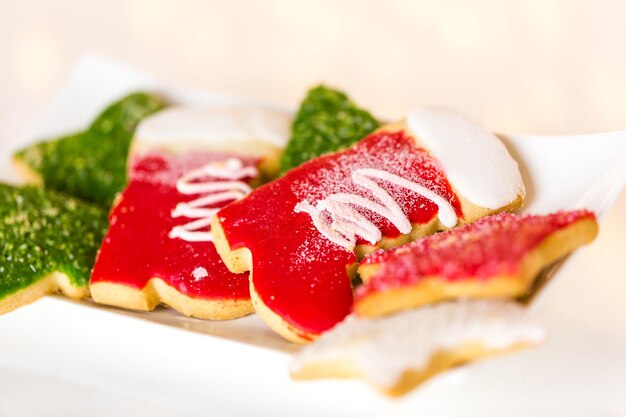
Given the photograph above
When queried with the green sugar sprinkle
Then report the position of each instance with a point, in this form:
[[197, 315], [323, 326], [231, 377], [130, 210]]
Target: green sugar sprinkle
[[92, 164], [327, 121], [43, 232]]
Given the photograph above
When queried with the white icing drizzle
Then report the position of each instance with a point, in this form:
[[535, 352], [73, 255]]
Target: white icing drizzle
[[232, 170], [476, 162], [337, 218], [384, 348]]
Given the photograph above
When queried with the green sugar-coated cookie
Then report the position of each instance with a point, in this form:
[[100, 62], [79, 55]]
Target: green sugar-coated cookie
[[327, 121], [48, 243], [90, 164]]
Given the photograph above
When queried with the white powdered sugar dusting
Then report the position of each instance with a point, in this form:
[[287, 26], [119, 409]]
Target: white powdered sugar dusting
[[384, 180], [338, 219], [476, 162], [384, 348]]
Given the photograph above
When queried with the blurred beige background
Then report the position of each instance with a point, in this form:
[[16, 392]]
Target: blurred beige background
[[536, 66]]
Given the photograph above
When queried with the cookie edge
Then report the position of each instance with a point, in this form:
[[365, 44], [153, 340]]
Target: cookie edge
[[49, 284], [157, 291]]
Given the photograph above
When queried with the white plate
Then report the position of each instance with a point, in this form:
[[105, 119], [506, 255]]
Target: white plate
[[171, 364]]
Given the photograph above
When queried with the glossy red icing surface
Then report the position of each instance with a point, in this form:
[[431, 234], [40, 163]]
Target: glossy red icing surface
[[297, 272], [137, 246], [491, 246]]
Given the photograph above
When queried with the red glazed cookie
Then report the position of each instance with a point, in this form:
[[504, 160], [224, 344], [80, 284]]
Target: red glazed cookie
[[159, 248], [495, 257], [186, 163], [301, 235]]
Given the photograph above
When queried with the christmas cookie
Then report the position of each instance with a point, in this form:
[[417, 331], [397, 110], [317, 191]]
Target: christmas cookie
[[260, 132], [398, 352], [497, 256], [49, 243], [90, 164], [327, 121], [159, 248], [301, 235]]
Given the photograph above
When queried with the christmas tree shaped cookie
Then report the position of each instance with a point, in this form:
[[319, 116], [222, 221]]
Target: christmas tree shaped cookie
[[92, 164], [327, 121], [48, 243]]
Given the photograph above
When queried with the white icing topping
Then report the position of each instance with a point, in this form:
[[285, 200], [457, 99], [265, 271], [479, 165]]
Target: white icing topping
[[476, 162], [192, 125], [203, 208], [337, 218], [199, 273], [384, 348]]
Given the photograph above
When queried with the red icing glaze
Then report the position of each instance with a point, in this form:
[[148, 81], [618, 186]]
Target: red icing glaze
[[491, 246], [297, 272], [137, 246]]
